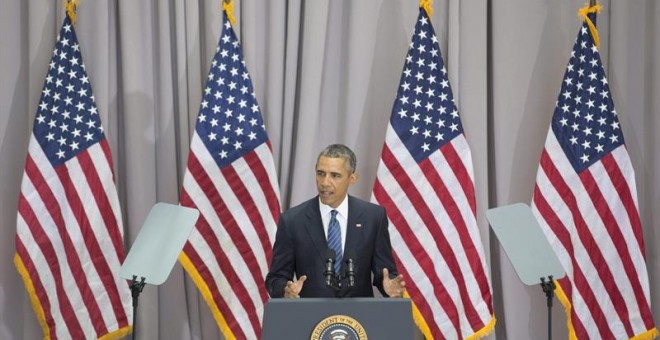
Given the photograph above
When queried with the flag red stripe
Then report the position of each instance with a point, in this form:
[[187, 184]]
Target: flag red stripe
[[272, 199], [228, 221], [422, 257], [582, 229], [230, 274], [206, 275], [553, 221], [425, 213], [458, 167], [223, 261], [581, 284], [622, 188], [103, 143], [39, 289], [248, 204], [48, 251], [53, 206], [619, 242], [103, 202], [454, 212], [575, 321], [96, 253], [422, 304]]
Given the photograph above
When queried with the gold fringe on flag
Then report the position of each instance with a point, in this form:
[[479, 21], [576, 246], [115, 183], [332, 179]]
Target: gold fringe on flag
[[582, 13], [228, 7], [71, 9], [427, 5]]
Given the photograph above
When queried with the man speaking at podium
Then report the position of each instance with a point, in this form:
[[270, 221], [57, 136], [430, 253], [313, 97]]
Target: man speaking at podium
[[334, 242]]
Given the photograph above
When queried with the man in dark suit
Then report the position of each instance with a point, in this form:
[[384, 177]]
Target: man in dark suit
[[356, 229]]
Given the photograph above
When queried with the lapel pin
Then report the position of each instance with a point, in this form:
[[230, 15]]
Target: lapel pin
[[358, 225]]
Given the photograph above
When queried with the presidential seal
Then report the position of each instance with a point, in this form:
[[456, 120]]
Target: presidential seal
[[338, 327]]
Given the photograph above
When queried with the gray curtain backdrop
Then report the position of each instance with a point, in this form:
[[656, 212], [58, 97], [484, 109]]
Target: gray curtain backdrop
[[324, 72]]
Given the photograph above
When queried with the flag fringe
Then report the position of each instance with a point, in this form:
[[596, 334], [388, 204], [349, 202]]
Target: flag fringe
[[563, 299], [484, 331], [118, 334], [39, 311], [427, 5], [419, 319], [208, 297], [36, 305], [648, 335], [582, 13], [561, 295], [426, 331]]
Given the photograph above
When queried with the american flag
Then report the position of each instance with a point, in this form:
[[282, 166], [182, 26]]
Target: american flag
[[425, 182], [231, 179], [69, 242], [586, 202]]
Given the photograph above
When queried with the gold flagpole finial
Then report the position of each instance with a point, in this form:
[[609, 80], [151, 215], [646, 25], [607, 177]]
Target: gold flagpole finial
[[228, 7], [593, 7], [427, 5], [71, 6]]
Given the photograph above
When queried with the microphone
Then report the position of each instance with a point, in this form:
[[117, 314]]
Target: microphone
[[350, 267], [330, 268]]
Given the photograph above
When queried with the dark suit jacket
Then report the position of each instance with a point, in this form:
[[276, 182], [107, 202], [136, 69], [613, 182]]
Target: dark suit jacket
[[300, 247]]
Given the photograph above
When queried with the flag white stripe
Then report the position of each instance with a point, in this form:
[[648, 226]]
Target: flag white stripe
[[266, 159], [45, 276], [204, 251], [234, 206], [54, 236], [424, 284], [549, 192], [237, 262], [457, 194], [105, 172], [444, 221], [596, 228], [618, 210], [418, 226], [421, 235], [97, 227], [598, 231]]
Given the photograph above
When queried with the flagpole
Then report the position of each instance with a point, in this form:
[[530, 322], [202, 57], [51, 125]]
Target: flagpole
[[593, 3]]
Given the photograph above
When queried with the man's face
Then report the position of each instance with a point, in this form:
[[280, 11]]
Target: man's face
[[333, 180]]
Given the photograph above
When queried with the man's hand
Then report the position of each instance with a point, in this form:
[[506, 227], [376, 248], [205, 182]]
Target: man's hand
[[292, 289], [393, 287]]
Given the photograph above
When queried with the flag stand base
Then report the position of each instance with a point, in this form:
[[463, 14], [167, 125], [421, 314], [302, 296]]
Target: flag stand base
[[549, 290]]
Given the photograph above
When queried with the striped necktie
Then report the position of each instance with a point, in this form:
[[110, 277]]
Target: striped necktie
[[334, 240]]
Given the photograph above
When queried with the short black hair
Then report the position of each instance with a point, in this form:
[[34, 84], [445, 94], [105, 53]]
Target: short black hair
[[340, 151]]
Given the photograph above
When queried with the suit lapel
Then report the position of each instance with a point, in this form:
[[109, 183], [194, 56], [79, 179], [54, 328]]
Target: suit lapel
[[353, 226], [314, 227]]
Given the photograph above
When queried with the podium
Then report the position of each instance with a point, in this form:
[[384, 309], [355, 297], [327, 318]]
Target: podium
[[328, 318]]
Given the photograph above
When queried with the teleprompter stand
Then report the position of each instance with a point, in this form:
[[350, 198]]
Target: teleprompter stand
[[528, 249], [136, 288], [156, 248]]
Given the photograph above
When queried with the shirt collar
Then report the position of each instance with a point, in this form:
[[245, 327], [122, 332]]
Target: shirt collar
[[342, 209]]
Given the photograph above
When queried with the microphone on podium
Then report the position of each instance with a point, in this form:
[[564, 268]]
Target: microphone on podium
[[330, 268], [350, 267]]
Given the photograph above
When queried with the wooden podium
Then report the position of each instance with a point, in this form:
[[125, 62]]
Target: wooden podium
[[328, 318]]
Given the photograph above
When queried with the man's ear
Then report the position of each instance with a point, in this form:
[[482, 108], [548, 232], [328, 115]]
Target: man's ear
[[353, 178]]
